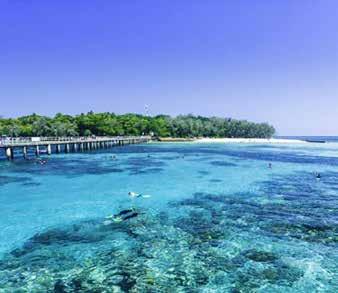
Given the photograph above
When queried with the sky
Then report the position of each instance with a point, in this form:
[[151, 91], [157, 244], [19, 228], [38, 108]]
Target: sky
[[260, 60]]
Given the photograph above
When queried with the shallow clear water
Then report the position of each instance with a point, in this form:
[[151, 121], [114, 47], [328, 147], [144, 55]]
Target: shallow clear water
[[218, 220]]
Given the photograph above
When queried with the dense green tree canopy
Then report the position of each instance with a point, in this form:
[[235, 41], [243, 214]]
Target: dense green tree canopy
[[132, 124]]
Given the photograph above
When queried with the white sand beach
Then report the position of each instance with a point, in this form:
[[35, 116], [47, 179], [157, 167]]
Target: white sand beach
[[249, 140]]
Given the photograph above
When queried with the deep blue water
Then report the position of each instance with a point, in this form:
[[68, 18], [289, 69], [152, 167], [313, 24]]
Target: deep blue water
[[217, 220]]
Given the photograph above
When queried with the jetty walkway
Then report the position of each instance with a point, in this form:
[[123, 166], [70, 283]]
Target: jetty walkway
[[49, 145]]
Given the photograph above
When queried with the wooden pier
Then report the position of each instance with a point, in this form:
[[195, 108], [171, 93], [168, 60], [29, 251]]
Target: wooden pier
[[65, 144]]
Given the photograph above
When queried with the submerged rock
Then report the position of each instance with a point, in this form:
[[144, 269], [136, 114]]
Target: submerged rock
[[59, 287], [260, 256]]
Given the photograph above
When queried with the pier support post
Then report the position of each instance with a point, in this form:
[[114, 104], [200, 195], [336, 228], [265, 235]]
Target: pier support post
[[49, 149], [67, 148], [9, 154], [81, 147], [58, 148], [88, 145], [75, 147], [37, 150], [24, 152]]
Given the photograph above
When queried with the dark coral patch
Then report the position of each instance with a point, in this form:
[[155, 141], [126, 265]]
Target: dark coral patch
[[215, 180], [222, 164]]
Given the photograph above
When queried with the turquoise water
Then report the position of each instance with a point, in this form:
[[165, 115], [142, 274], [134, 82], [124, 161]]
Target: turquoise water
[[218, 220]]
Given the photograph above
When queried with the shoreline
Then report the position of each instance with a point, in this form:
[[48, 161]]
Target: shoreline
[[250, 140], [176, 139], [235, 140]]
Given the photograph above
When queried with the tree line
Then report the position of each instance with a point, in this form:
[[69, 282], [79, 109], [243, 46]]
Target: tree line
[[110, 124]]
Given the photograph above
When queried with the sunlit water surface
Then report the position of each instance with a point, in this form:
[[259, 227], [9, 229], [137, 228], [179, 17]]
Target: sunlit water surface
[[218, 220]]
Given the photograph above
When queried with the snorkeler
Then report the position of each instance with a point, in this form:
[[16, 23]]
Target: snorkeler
[[136, 195], [123, 212], [41, 162], [129, 216], [121, 216]]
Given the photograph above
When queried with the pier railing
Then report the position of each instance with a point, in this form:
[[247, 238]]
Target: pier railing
[[18, 141]]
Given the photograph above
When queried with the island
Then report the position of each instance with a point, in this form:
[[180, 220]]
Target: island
[[110, 124]]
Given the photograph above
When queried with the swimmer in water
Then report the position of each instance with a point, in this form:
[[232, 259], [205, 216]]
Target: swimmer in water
[[41, 162], [129, 216], [318, 176], [135, 195], [270, 165]]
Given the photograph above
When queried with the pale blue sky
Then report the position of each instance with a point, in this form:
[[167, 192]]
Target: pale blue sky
[[274, 61]]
